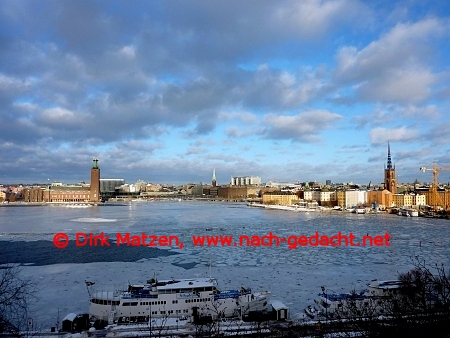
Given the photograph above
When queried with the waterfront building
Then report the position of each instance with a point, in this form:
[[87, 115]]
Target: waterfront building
[[355, 197], [390, 182], [443, 197], [383, 198], [340, 197], [409, 200], [419, 199], [33, 194], [403, 200], [307, 195], [78, 193], [351, 198], [280, 198], [238, 192], [67, 193], [327, 198], [197, 189]]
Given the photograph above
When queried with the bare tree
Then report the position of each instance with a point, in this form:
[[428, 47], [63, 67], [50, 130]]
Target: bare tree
[[16, 293], [209, 320]]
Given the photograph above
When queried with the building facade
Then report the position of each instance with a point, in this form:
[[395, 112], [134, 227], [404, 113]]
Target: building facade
[[109, 185], [279, 198], [382, 198], [245, 180], [81, 193]]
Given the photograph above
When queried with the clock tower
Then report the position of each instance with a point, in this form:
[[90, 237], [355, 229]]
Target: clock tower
[[95, 182]]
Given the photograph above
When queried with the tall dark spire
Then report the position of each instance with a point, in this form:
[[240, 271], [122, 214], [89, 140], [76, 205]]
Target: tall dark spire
[[389, 161]]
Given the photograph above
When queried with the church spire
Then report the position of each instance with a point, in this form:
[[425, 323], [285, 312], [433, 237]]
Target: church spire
[[214, 181], [389, 161]]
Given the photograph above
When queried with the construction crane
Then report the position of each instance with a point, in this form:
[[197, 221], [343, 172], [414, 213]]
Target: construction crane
[[435, 198]]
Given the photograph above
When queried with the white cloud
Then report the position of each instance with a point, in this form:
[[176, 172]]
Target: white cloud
[[383, 135], [305, 126], [243, 116], [312, 18], [128, 51], [394, 68]]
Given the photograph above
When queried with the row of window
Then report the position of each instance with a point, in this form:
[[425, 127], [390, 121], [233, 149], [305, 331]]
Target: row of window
[[168, 312], [159, 302], [196, 300], [194, 290], [105, 302], [68, 196]]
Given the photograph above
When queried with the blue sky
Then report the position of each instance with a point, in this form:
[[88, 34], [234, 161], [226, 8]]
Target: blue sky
[[166, 91]]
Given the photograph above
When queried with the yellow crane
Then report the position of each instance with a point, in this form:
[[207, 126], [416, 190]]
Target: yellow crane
[[435, 198]]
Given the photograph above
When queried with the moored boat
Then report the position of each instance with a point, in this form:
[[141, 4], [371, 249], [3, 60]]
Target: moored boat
[[197, 297], [408, 212]]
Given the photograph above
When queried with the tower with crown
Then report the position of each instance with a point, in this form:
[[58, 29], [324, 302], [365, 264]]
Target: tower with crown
[[95, 182]]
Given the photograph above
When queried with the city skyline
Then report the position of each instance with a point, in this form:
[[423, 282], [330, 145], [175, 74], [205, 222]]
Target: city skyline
[[168, 91]]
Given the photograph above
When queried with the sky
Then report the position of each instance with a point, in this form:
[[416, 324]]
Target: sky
[[167, 91]]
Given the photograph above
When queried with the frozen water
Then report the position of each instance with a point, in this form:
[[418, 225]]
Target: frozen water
[[293, 276]]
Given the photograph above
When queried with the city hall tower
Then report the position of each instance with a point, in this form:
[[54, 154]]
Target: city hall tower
[[95, 182]]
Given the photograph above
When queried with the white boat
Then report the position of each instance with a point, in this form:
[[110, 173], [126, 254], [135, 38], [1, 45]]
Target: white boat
[[197, 297], [409, 212], [383, 288], [328, 304]]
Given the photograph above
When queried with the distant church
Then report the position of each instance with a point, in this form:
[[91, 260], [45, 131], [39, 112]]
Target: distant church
[[390, 182]]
